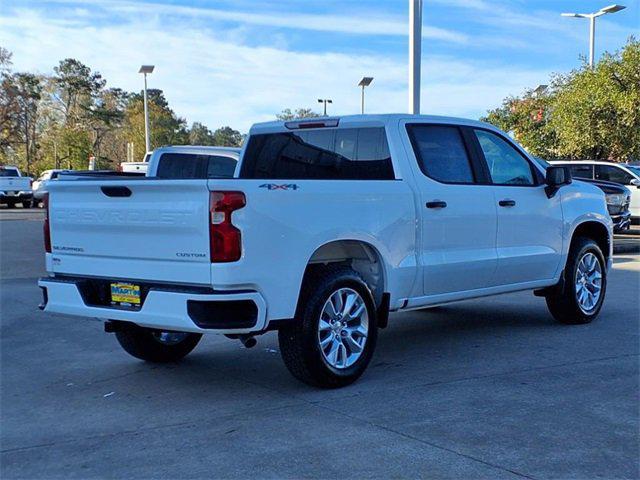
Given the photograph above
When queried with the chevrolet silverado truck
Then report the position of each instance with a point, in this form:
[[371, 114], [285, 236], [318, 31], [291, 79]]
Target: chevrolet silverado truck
[[14, 188], [327, 225]]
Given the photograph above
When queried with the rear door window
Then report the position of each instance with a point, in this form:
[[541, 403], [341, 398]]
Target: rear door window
[[441, 153], [581, 171], [195, 166], [8, 172], [322, 154]]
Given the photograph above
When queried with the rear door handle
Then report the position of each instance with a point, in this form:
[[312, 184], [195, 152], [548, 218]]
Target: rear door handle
[[436, 204], [507, 203]]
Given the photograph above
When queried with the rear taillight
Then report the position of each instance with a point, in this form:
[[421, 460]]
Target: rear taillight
[[45, 227], [224, 237]]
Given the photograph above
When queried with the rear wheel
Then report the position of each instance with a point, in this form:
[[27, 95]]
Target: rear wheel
[[585, 285], [156, 345], [334, 334], [11, 204]]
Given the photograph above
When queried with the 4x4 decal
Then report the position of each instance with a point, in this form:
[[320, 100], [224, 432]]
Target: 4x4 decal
[[275, 186]]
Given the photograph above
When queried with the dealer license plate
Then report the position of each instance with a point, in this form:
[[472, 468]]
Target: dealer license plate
[[126, 294]]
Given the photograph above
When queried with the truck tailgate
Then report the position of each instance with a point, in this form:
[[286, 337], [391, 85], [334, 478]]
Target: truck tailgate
[[17, 184], [147, 229]]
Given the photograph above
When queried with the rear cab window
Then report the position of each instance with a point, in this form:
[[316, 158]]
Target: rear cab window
[[322, 154], [195, 166], [9, 172]]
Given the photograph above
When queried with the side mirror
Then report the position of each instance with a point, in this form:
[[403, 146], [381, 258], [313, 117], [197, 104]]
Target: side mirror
[[636, 182], [556, 177]]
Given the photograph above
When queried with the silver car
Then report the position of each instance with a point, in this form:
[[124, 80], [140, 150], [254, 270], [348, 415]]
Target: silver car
[[40, 185]]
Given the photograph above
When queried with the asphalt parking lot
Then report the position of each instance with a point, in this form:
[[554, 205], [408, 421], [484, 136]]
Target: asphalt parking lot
[[488, 388]]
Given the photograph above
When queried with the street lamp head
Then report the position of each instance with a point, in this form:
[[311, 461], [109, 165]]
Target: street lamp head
[[612, 8], [320, 100], [146, 69], [540, 89], [570, 15], [365, 82], [329, 101]]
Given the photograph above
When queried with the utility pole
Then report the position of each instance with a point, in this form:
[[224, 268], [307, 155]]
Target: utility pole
[[145, 69], [415, 54]]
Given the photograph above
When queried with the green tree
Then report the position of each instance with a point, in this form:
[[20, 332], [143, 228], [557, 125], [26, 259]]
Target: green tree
[[19, 98], [165, 127], [527, 118], [77, 87], [5, 59], [199, 134], [227, 137], [287, 114], [597, 111], [586, 113]]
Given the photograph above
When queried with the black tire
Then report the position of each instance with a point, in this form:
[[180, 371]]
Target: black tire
[[299, 342], [142, 343], [564, 305], [26, 204], [11, 205]]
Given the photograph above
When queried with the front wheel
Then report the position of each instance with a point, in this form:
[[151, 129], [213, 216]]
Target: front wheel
[[334, 334], [585, 285], [156, 345]]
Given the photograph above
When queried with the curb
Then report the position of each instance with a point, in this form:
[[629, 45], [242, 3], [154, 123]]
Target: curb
[[626, 247]]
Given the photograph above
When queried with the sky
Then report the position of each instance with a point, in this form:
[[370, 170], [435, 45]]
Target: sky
[[237, 62]]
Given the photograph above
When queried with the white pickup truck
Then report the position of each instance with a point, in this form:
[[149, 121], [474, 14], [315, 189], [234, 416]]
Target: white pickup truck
[[327, 226], [14, 188]]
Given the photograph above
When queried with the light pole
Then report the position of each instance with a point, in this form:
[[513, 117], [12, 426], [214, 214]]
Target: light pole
[[325, 101], [144, 69], [365, 82], [592, 24], [415, 53]]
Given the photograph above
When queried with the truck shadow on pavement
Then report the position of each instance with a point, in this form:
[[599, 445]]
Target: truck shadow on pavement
[[477, 337]]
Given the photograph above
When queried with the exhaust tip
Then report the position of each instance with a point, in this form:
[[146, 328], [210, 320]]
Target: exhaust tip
[[248, 341]]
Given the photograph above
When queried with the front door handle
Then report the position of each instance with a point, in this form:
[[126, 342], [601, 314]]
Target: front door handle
[[507, 203], [436, 204]]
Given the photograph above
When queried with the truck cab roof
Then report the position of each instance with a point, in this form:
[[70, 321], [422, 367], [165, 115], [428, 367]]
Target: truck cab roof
[[360, 121]]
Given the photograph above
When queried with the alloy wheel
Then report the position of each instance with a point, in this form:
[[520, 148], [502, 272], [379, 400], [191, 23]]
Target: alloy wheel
[[343, 328]]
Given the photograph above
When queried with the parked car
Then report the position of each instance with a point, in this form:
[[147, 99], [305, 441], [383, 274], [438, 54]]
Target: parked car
[[40, 185], [618, 198], [328, 225], [620, 173], [14, 188]]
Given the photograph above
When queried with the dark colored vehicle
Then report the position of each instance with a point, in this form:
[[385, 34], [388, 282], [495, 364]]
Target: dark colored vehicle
[[618, 200], [618, 197]]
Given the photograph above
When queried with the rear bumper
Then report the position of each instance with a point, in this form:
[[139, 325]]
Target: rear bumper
[[15, 195], [165, 309]]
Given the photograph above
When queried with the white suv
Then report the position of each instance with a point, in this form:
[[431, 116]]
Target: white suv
[[611, 172]]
